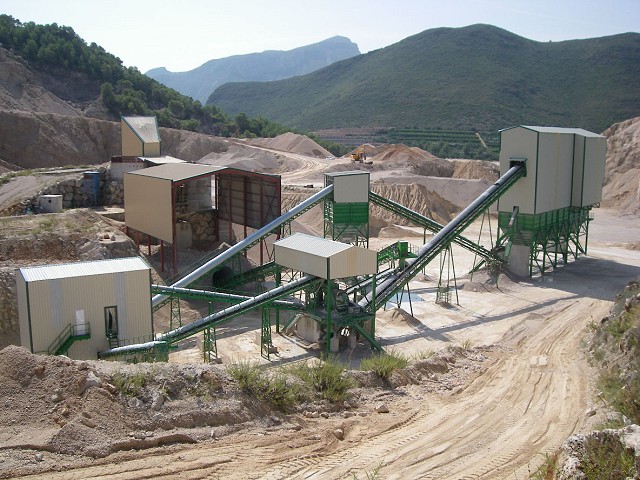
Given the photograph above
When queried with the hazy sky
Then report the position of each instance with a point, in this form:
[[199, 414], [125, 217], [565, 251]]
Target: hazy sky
[[183, 34]]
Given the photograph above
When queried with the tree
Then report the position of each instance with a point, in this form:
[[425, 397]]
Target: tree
[[108, 97], [176, 107]]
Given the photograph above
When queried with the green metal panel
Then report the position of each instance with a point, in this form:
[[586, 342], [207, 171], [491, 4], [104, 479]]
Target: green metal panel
[[351, 213]]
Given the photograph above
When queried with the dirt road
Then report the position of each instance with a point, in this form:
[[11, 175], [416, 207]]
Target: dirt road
[[533, 394]]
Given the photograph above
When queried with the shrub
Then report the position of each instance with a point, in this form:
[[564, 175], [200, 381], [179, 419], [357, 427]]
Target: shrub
[[384, 364], [130, 385], [326, 377], [606, 457], [274, 387], [547, 470]]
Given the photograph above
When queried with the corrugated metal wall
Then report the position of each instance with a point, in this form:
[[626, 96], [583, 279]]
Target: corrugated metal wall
[[519, 143], [592, 177], [554, 172], [141, 193], [353, 262], [351, 188], [131, 144], [23, 310], [53, 305]]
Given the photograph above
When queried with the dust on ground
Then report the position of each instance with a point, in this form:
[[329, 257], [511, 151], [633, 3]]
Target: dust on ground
[[497, 378]]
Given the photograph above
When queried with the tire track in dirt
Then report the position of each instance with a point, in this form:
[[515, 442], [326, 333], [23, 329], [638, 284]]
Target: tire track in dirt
[[526, 403], [540, 405]]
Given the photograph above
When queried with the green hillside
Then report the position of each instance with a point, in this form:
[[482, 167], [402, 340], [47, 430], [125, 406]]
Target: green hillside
[[90, 74], [476, 78]]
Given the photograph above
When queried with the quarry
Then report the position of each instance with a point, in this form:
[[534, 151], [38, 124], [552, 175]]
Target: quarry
[[164, 275]]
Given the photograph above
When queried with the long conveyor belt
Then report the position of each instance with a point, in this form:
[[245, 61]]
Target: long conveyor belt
[[449, 233]]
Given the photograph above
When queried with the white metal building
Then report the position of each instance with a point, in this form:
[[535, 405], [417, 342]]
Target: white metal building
[[547, 213], [140, 136], [565, 168], [324, 258], [82, 308]]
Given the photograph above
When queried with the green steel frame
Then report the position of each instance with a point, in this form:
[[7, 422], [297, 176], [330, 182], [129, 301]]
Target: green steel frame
[[347, 222], [552, 237]]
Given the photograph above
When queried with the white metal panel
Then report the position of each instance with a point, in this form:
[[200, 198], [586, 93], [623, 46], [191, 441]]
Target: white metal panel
[[129, 291], [594, 170], [578, 170], [353, 262], [324, 258], [177, 172], [520, 143], [301, 261], [554, 172], [309, 244], [148, 205], [351, 187], [161, 160], [23, 310]]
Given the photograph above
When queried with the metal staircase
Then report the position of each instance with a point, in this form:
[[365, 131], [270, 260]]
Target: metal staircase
[[70, 334]]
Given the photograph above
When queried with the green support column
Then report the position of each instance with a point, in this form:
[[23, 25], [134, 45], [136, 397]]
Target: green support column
[[175, 314], [210, 344], [265, 335]]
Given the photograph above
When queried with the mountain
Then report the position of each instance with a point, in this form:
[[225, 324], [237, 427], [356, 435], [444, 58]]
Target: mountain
[[269, 65], [478, 77]]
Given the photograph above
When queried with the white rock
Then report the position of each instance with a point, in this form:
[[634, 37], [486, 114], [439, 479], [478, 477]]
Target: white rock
[[157, 402], [90, 381]]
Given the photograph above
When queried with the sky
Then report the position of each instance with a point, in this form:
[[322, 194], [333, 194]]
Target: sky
[[183, 34]]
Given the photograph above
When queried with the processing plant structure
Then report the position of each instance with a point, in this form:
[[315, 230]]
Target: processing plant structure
[[330, 287]]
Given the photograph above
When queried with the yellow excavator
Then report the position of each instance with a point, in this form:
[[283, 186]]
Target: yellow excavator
[[359, 155]]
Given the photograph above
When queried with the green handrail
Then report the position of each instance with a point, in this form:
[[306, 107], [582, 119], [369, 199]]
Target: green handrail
[[70, 333]]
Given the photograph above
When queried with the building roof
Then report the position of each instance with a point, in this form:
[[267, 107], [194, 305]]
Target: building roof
[[177, 171], [343, 174], [573, 131], [162, 160], [320, 247], [146, 128], [83, 269]]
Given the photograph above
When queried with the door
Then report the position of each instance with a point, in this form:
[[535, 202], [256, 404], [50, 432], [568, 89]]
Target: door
[[81, 326], [111, 321]]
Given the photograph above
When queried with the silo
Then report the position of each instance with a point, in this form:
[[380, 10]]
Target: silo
[[546, 216]]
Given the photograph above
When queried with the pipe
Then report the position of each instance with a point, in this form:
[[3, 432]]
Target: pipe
[[237, 308], [218, 295], [238, 247]]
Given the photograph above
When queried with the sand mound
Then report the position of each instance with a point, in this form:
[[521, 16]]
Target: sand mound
[[417, 198], [292, 143], [397, 232], [476, 169], [622, 179], [398, 317], [245, 157]]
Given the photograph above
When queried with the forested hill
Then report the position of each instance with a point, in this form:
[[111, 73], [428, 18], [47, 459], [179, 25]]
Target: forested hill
[[200, 82], [54, 64], [478, 77]]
